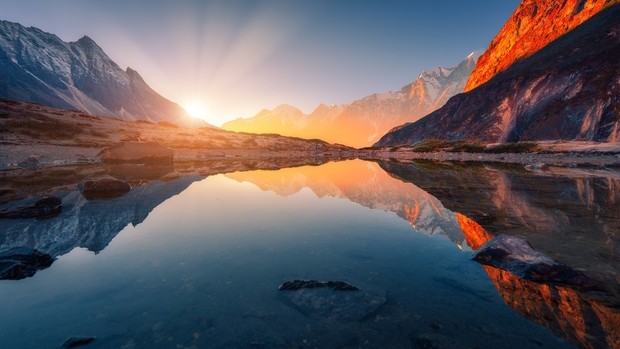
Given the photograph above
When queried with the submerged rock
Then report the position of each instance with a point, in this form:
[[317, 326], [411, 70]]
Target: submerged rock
[[46, 207], [22, 262], [75, 342], [517, 256], [104, 188], [296, 285], [147, 152], [332, 300]]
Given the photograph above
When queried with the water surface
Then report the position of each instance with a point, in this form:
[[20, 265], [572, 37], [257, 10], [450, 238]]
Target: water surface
[[195, 262]]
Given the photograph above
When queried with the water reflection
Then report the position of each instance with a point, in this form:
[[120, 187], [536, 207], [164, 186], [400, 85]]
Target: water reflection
[[241, 244]]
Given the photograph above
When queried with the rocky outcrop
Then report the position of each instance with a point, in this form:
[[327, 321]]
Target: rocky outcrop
[[22, 262], [147, 152], [103, 188], [533, 25], [517, 256], [46, 207], [568, 90]]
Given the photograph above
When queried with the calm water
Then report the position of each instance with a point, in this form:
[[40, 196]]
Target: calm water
[[196, 262]]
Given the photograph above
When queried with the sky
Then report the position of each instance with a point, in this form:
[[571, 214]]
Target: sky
[[233, 58]]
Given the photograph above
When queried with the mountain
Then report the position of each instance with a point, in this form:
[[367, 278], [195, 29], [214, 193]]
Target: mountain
[[534, 24], [39, 67], [568, 90], [362, 122]]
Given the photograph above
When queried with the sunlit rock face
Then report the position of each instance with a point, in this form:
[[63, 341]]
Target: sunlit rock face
[[39, 67], [364, 121], [533, 25], [568, 90]]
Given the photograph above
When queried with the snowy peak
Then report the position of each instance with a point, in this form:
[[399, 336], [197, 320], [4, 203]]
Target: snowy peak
[[364, 121], [39, 67], [568, 90]]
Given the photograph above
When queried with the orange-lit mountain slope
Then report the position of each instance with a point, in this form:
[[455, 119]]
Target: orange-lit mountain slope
[[365, 120], [533, 25], [568, 90]]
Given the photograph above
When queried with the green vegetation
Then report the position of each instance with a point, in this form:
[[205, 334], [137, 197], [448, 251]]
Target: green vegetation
[[516, 147], [435, 145], [438, 145]]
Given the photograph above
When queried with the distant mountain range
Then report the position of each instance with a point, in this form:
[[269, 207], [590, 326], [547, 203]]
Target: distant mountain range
[[39, 67], [362, 122], [568, 90]]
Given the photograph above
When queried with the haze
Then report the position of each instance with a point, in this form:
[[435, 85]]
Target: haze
[[229, 59]]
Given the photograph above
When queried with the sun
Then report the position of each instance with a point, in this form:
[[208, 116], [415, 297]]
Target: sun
[[196, 109]]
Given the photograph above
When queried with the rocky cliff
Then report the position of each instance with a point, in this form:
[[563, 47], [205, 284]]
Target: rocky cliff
[[568, 90], [533, 25]]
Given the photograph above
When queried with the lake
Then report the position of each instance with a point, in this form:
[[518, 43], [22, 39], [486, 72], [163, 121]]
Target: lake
[[196, 259]]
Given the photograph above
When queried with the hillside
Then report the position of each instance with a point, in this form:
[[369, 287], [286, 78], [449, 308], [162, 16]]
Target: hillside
[[39, 67], [569, 90]]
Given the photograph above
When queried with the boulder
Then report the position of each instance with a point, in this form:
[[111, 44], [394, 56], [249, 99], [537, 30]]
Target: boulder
[[296, 285], [75, 342], [136, 152], [22, 262], [103, 188], [46, 207], [517, 256], [31, 162], [331, 300]]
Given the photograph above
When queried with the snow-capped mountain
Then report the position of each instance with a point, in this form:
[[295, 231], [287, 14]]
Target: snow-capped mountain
[[567, 90], [39, 67], [362, 122]]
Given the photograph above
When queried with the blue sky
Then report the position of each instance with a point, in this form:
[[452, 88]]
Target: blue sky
[[237, 57]]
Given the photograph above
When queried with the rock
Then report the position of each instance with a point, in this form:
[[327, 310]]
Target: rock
[[46, 207], [22, 262], [75, 342], [147, 152], [31, 162], [332, 300], [539, 166], [301, 284], [517, 256], [103, 189]]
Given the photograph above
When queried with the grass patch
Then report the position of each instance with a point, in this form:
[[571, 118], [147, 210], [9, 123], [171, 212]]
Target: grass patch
[[42, 127], [436, 145], [517, 147]]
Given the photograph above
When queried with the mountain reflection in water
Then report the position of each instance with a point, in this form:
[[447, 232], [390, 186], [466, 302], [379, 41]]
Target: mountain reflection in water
[[572, 216]]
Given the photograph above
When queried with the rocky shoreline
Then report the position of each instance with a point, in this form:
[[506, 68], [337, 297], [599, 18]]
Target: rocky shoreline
[[575, 159]]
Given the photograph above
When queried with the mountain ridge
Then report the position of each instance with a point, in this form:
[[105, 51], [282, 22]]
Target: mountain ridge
[[569, 90], [367, 118], [39, 67]]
